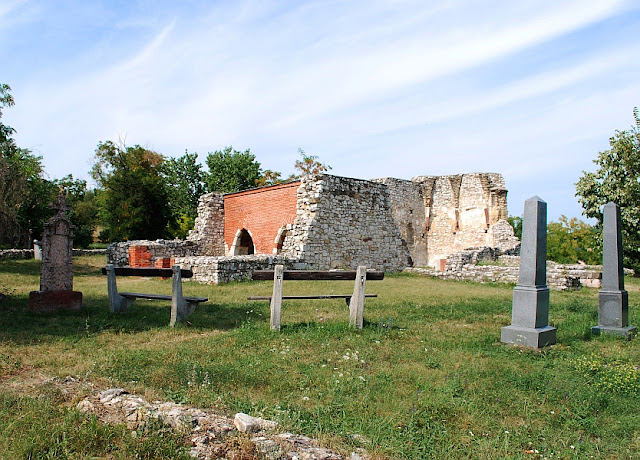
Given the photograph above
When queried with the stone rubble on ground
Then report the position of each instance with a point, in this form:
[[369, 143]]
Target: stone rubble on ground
[[207, 431]]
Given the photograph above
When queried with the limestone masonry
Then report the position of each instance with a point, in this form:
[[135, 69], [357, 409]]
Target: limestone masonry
[[331, 222]]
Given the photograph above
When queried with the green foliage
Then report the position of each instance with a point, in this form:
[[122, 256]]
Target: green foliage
[[516, 223], [617, 179], [185, 181], [231, 170], [133, 203], [6, 100], [24, 193], [570, 241], [309, 164], [84, 209]]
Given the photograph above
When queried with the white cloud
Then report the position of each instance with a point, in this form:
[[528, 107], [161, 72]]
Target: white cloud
[[363, 84]]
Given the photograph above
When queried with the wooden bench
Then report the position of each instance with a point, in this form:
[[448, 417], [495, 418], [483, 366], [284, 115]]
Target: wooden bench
[[181, 307], [355, 301]]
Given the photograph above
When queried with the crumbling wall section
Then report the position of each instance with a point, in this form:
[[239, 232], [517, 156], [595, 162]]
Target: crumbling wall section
[[208, 231], [343, 223], [460, 212], [408, 212]]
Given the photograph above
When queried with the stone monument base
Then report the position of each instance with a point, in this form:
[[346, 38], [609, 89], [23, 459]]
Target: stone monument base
[[628, 331], [529, 337], [50, 301]]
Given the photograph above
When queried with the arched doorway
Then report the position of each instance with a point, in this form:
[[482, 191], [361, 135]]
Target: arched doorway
[[279, 241], [242, 244]]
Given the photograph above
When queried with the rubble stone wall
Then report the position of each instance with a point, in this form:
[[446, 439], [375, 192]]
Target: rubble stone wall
[[208, 231], [488, 265], [342, 223]]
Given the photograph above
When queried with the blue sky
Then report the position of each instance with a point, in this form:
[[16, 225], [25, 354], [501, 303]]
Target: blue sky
[[398, 88]]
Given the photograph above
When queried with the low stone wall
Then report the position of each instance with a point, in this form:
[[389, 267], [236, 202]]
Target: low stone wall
[[119, 253], [16, 254], [559, 277], [216, 270]]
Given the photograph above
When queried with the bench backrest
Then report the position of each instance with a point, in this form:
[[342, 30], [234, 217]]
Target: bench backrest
[[149, 271], [319, 275]]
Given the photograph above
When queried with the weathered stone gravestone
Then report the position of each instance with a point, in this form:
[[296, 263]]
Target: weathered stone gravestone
[[613, 300], [530, 307], [56, 272]]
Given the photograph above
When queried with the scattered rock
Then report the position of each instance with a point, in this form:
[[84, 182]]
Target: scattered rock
[[211, 435]]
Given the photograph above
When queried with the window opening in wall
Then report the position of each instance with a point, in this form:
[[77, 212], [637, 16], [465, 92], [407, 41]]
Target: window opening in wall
[[243, 245]]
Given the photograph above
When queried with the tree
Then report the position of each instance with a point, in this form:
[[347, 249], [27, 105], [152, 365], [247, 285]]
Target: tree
[[516, 223], [231, 170], [24, 193], [617, 179], [133, 203], [570, 241], [185, 182], [309, 164], [84, 209]]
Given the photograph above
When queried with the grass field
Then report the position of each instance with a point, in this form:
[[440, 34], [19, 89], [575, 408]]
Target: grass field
[[425, 378]]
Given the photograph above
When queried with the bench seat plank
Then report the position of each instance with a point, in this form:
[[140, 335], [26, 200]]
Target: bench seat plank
[[302, 297], [315, 275], [148, 272], [138, 295]]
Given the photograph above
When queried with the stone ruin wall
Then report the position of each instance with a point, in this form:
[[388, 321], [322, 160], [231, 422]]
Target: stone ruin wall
[[440, 215], [491, 265], [342, 223], [385, 224], [208, 230]]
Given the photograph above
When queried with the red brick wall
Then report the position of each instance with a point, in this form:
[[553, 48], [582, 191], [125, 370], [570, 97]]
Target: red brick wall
[[262, 212], [139, 256]]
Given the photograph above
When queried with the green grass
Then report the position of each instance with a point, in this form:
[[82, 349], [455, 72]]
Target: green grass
[[425, 378]]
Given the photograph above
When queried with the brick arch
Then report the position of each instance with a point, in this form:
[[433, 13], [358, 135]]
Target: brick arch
[[242, 243], [279, 241]]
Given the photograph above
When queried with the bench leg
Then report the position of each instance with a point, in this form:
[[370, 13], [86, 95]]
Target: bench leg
[[181, 309], [276, 298], [356, 303], [117, 303]]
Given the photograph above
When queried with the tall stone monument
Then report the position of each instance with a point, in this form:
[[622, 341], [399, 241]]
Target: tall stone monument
[[56, 272], [530, 307], [613, 300]]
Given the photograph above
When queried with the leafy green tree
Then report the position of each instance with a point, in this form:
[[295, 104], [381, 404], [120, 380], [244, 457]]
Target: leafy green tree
[[84, 209], [231, 170], [24, 192], [516, 223], [133, 203], [185, 182], [570, 241], [617, 179]]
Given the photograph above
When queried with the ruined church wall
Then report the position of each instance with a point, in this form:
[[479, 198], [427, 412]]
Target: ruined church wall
[[262, 212], [460, 211], [408, 211], [343, 223], [208, 231]]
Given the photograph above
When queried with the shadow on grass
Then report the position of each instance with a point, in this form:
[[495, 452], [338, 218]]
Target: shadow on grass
[[21, 326]]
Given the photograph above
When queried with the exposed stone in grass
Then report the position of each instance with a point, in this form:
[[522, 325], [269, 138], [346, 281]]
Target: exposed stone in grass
[[211, 435]]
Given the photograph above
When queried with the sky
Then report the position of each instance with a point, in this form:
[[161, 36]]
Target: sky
[[398, 88]]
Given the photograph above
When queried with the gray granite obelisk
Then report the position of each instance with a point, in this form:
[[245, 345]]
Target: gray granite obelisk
[[530, 307], [613, 300]]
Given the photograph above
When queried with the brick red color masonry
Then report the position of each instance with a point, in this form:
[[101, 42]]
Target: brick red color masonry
[[262, 212]]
